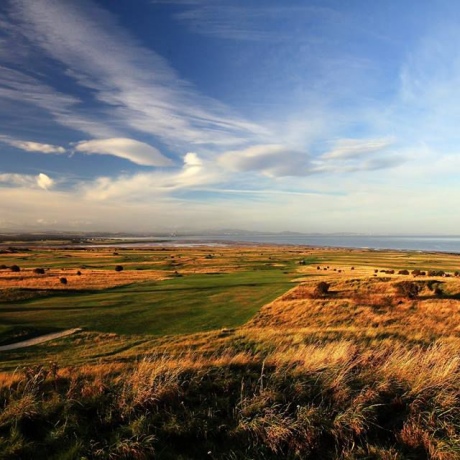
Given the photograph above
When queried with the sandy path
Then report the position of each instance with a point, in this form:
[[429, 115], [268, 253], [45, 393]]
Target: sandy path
[[41, 339]]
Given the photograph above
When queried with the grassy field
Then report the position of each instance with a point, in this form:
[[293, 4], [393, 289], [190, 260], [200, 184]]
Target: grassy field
[[157, 292], [231, 353]]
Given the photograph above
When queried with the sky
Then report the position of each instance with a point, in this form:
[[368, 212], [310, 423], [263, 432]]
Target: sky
[[187, 115]]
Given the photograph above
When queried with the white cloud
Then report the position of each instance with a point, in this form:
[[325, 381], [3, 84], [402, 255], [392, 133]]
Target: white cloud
[[17, 180], [272, 160], [348, 155], [44, 181], [353, 155], [192, 159], [352, 148], [143, 187], [129, 149], [27, 181], [30, 146]]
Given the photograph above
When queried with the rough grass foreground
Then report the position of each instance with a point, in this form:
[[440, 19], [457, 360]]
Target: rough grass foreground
[[324, 400]]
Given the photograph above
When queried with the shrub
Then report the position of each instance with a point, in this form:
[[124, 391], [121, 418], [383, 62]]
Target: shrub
[[436, 287], [63, 280], [408, 289], [403, 272], [436, 273], [39, 271], [321, 289], [15, 268], [119, 268]]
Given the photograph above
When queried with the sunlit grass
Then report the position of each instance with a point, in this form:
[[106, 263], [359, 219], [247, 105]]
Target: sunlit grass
[[358, 372]]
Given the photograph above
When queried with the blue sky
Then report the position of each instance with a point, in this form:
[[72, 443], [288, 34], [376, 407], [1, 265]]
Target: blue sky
[[163, 115]]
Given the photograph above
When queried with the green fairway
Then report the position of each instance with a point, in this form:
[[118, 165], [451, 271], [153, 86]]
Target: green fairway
[[179, 305]]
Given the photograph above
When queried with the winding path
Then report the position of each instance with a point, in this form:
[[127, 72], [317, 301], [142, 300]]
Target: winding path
[[40, 339]]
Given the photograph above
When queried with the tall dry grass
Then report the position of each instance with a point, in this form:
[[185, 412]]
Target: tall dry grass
[[338, 399]]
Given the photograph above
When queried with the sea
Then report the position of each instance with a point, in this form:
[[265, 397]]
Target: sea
[[448, 244]]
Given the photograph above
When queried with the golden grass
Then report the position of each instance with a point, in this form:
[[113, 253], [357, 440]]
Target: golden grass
[[359, 372], [88, 279], [361, 302]]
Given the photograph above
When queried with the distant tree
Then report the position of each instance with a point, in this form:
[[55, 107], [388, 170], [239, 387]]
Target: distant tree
[[63, 280], [15, 268], [79, 273], [3, 267], [39, 271], [119, 268], [403, 272]]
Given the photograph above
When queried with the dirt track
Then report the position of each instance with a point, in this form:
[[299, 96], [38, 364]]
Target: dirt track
[[38, 340]]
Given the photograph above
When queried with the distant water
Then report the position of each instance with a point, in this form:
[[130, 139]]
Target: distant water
[[412, 243]]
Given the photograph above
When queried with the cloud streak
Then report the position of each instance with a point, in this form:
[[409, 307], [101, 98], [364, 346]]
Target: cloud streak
[[347, 155], [272, 160], [137, 86], [251, 22], [353, 148], [30, 146], [129, 149]]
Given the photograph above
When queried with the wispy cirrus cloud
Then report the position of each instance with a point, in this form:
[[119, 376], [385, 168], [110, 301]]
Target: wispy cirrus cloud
[[252, 21], [136, 86], [352, 148]]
